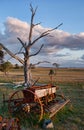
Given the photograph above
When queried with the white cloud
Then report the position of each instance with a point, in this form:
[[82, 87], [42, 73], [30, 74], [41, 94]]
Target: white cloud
[[60, 40]]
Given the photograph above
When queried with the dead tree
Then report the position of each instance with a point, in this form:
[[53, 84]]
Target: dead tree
[[27, 46]]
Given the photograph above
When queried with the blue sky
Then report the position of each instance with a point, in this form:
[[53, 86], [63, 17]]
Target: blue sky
[[70, 36]]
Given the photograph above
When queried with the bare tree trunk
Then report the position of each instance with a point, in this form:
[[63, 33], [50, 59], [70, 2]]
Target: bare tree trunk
[[27, 70], [26, 77]]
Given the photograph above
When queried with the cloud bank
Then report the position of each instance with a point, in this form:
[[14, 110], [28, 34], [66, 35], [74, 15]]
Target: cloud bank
[[53, 44]]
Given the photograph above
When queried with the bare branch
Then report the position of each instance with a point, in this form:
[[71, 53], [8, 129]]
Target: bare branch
[[36, 24], [37, 51], [23, 44], [31, 25], [41, 36], [11, 54], [32, 10], [50, 30], [45, 34], [15, 55], [21, 50]]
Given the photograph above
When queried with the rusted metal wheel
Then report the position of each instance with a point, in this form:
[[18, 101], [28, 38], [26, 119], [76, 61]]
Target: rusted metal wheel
[[25, 104]]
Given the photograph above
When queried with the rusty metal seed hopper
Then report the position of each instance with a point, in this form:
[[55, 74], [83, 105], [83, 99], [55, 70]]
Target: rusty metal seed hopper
[[35, 102]]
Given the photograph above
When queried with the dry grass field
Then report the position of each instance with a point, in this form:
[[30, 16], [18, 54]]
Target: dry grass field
[[70, 75], [71, 83]]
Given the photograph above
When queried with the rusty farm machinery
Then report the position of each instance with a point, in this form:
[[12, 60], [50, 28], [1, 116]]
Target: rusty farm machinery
[[35, 102]]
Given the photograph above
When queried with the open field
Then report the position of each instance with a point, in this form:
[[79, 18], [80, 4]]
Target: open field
[[71, 83], [62, 75]]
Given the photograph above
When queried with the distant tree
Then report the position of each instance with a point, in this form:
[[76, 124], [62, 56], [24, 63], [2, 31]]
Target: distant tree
[[1, 55], [56, 65], [51, 73], [26, 46], [6, 67], [17, 66]]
